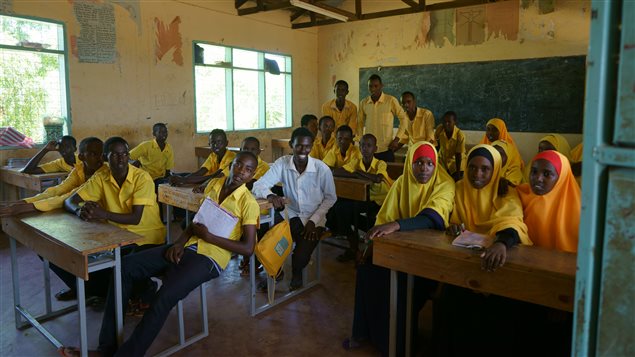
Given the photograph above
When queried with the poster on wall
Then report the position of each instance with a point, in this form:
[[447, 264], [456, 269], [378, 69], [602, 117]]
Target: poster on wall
[[97, 37]]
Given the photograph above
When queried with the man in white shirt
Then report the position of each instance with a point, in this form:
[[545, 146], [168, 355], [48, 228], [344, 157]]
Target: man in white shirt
[[308, 184]]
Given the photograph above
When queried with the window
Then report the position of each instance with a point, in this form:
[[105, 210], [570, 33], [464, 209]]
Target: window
[[33, 77], [238, 89]]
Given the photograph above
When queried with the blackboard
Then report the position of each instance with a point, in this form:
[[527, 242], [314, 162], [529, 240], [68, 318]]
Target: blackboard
[[543, 95]]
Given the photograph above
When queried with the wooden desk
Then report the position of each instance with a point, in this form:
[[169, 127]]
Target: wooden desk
[[531, 274], [66, 241], [279, 147], [352, 188], [14, 177], [394, 169]]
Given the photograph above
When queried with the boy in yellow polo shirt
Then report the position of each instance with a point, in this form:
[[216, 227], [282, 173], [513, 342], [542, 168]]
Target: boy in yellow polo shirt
[[252, 144], [216, 162], [66, 146], [92, 161], [196, 257], [344, 152], [346, 212], [326, 141], [451, 146], [155, 156], [343, 111]]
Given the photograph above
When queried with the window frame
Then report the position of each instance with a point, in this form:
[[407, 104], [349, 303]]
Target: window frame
[[64, 51], [229, 84]]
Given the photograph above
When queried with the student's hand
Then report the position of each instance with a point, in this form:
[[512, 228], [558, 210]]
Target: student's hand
[[277, 201], [51, 146], [136, 163], [311, 232], [92, 211], [494, 257], [199, 188], [174, 253], [454, 230], [394, 145], [199, 230], [382, 230], [175, 180]]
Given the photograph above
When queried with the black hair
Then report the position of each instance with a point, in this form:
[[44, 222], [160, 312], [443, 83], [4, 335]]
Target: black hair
[[326, 117], [408, 93], [374, 77], [451, 113], [218, 132], [342, 82], [481, 152], [306, 118], [252, 138], [370, 136], [113, 140], [345, 128], [69, 139], [299, 132], [87, 141], [156, 127], [247, 153]]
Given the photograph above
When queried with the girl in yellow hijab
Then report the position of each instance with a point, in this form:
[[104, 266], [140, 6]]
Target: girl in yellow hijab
[[497, 130], [481, 209], [420, 198], [551, 202], [510, 163], [555, 142]]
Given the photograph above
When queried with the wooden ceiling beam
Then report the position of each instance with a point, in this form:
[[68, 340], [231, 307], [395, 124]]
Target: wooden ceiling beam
[[296, 14], [239, 3], [411, 3], [303, 25], [262, 7]]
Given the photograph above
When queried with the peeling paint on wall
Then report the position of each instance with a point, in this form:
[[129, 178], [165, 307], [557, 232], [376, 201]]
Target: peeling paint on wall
[[168, 38], [470, 25], [74, 46], [134, 10], [342, 48], [441, 27], [502, 20], [546, 6], [424, 29]]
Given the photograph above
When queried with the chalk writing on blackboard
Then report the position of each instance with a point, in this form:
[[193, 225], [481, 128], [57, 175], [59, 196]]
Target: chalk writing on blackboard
[[97, 39]]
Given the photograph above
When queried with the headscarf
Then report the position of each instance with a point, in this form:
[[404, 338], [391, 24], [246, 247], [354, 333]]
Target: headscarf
[[505, 136], [552, 219], [560, 143], [576, 153], [407, 197], [483, 210], [511, 171]]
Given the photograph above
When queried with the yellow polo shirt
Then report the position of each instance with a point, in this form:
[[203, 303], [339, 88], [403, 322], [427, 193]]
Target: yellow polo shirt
[[377, 119], [335, 159], [154, 160], [378, 191], [54, 197], [320, 150], [421, 128], [137, 189], [262, 169], [212, 165], [242, 204], [449, 147], [346, 116], [59, 165]]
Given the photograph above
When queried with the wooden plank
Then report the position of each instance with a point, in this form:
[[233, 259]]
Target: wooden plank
[[394, 169], [13, 176], [183, 197], [352, 188], [279, 147], [531, 274]]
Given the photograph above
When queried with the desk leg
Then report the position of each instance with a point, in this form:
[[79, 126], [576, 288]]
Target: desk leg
[[15, 278], [118, 300], [409, 322], [47, 286], [252, 283], [168, 219], [81, 306], [392, 336]]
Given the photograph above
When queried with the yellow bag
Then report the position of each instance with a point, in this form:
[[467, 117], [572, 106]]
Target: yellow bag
[[272, 250]]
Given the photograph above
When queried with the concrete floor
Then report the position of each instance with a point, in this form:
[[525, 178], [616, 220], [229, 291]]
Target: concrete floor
[[313, 324]]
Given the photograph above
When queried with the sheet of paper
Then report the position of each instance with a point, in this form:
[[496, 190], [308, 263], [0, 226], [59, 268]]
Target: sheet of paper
[[472, 240], [215, 218]]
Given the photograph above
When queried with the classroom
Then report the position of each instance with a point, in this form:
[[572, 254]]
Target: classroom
[[254, 68]]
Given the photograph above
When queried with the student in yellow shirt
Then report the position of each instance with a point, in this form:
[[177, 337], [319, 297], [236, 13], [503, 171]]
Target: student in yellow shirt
[[326, 142], [216, 162], [251, 144], [92, 161], [420, 127], [451, 145], [376, 115], [66, 146], [343, 111], [310, 122], [347, 212], [510, 170], [345, 151], [196, 257], [155, 156]]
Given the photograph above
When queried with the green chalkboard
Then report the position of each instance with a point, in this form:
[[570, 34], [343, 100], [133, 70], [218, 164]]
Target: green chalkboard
[[532, 95]]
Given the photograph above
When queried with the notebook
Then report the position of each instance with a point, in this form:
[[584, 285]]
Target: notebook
[[215, 218], [472, 240]]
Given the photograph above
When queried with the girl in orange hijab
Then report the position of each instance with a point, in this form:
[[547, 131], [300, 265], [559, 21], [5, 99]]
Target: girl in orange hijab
[[497, 130], [551, 202]]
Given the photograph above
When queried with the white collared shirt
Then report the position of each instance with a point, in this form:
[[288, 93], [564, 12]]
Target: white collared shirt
[[311, 194]]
